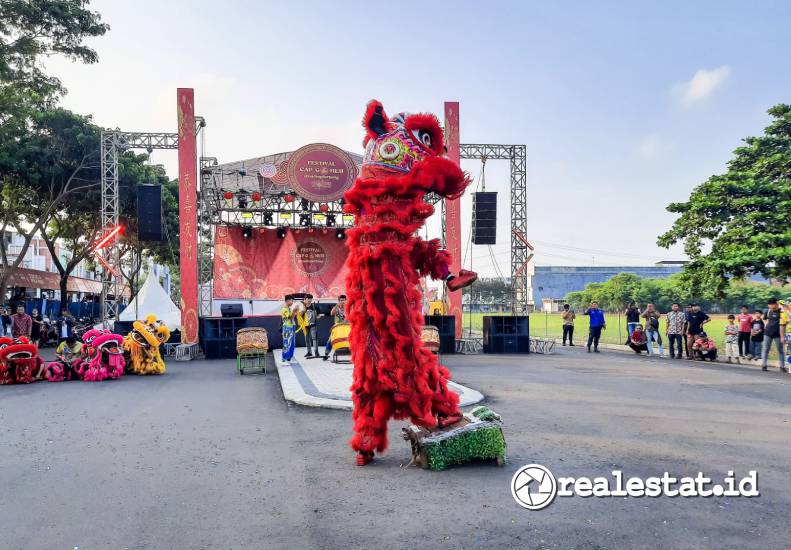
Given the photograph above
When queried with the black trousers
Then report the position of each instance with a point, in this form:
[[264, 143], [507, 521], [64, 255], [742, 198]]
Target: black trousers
[[744, 343], [593, 336], [676, 339], [568, 330]]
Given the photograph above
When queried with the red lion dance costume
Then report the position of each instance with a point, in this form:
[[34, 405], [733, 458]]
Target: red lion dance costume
[[395, 376]]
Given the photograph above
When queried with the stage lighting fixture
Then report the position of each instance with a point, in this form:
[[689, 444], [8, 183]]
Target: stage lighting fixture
[[281, 232], [304, 219], [305, 204], [268, 218], [330, 221], [247, 232], [242, 171], [242, 201], [340, 234]]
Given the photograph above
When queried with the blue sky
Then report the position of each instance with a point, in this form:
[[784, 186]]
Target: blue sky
[[623, 107]]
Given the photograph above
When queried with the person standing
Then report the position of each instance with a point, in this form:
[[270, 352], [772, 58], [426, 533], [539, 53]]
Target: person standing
[[597, 324], [632, 314], [652, 333], [21, 323], [757, 334], [288, 328], [6, 317], [695, 323], [311, 336], [675, 330], [338, 313], [65, 325], [568, 317], [687, 346], [38, 321], [774, 333], [732, 339], [745, 321]]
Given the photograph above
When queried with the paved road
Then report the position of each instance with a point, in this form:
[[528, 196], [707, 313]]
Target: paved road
[[204, 458]]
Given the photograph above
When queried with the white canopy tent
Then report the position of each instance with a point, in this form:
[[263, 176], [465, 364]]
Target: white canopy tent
[[152, 299]]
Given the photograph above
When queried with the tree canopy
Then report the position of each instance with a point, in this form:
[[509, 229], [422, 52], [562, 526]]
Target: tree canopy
[[738, 223]]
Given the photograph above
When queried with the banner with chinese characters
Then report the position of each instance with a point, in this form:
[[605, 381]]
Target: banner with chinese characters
[[188, 233], [453, 209], [266, 267]]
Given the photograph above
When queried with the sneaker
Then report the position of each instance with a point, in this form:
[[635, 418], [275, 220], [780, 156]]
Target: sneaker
[[463, 279], [589, 349], [764, 368], [564, 344], [325, 357], [785, 370], [571, 343], [596, 350], [308, 355]]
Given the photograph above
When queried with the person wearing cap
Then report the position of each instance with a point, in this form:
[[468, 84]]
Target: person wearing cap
[[287, 315], [695, 321], [704, 348], [311, 335]]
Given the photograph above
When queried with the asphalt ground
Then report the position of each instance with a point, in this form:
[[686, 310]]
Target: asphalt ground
[[205, 458]]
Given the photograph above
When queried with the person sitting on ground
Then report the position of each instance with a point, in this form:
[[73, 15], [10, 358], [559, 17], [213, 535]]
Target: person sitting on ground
[[637, 340], [732, 339], [704, 348]]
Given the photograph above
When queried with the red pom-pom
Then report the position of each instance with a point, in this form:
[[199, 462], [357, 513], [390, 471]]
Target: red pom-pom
[[323, 207], [228, 195], [289, 198], [256, 196]]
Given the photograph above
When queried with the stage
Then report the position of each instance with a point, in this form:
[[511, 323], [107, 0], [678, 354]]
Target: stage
[[318, 383]]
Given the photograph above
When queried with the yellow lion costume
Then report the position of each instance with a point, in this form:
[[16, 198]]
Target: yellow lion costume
[[142, 346]]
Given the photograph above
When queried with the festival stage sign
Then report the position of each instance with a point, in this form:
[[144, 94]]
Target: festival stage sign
[[188, 215], [266, 267], [320, 172], [453, 209]]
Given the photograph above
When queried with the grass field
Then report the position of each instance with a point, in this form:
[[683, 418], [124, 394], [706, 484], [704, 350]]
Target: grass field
[[549, 325]]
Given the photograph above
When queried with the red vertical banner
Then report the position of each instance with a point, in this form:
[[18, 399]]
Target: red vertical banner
[[453, 209], [188, 230]]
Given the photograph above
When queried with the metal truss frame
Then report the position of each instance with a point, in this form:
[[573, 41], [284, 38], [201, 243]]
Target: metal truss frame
[[520, 247], [113, 142]]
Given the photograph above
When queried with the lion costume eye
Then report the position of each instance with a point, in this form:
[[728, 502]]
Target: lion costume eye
[[424, 137]]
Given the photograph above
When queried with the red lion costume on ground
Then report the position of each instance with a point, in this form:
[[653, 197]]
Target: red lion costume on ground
[[395, 376], [19, 361]]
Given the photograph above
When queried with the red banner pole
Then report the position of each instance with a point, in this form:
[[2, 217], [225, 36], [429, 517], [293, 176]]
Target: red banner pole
[[188, 231], [453, 209]]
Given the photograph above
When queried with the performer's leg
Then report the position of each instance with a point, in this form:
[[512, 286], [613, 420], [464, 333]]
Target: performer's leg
[[370, 415]]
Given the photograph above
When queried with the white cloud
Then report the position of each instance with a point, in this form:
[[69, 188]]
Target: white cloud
[[702, 84]]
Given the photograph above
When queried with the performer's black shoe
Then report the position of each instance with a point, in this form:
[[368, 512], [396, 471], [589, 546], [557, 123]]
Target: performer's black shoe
[[325, 357], [308, 356]]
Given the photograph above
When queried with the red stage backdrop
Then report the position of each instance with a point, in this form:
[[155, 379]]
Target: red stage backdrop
[[266, 267], [188, 233], [453, 208]]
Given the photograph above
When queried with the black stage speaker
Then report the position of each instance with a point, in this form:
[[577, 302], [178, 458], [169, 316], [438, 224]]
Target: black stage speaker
[[149, 212], [506, 334], [484, 217], [446, 325], [231, 310]]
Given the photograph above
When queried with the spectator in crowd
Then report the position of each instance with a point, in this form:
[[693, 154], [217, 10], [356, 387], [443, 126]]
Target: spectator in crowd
[[637, 340], [632, 314], [652, 333], [38, 320], [732, 340], [6, 319], [65, 325], [597, 324], [757, 334], [704, 348], [675, 330], [774, 333], [568, 317], [695, 323], [745, 322], [687, 345], [21, 323]]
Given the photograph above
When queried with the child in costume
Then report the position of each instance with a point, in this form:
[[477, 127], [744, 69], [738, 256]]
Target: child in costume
[[287, 315], [67, 356], [394, 375], [142, 346]]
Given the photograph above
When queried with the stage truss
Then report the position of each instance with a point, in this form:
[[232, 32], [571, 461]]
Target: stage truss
[[114, 142], [520, 247], [273, 210]]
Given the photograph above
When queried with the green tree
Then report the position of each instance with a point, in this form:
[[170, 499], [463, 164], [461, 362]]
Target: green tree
[[739, 223]]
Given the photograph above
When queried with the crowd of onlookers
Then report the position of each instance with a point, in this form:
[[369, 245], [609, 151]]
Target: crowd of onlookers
[[40, 330], [747, 336]]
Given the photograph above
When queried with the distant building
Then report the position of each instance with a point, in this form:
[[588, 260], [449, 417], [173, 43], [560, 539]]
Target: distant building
[[551, 284]]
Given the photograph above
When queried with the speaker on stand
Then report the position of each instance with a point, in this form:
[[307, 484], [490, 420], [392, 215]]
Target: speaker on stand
[[149, 212], [484, 217]]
